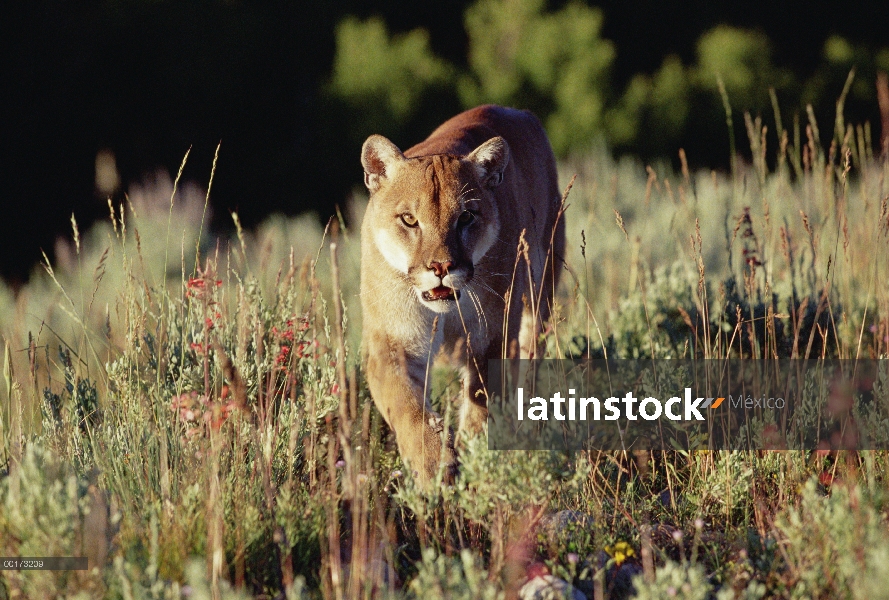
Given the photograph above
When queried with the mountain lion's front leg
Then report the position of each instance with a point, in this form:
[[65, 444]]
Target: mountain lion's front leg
[[396, 384]]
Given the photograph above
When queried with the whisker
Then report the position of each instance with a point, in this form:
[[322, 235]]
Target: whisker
[[477, 301], [489, 288], [492, 274], [479, 309]]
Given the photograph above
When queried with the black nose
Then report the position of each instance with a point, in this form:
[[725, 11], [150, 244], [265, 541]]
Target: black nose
[[440, 269]]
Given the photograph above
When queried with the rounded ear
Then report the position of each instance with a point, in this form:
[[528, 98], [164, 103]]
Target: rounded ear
[[490, 160], [378, 156]]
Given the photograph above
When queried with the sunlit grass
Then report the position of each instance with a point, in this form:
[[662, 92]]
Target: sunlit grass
[[179, 413]]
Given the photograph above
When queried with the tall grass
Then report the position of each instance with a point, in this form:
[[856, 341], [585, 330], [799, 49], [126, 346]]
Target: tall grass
[[188, 411]]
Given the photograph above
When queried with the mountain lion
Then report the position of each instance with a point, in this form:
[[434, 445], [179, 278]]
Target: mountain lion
[[453, 229]]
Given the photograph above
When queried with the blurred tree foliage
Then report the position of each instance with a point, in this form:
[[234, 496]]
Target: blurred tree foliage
[[555, 62], [381, 78], [743, 59], [382, 83]]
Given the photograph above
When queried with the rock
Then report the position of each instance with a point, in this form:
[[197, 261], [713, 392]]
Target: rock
[[620, 584], [618, 578], [670, 501], [565, 526], [566, 520], [548, 587]]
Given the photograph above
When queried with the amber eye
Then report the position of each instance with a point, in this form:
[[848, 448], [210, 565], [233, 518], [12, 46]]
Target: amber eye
[[409, 219], [466, 217]]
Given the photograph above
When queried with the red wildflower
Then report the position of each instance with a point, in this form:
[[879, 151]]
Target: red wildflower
[[197, 285], [282, 355], [217, 414], [285, 334]]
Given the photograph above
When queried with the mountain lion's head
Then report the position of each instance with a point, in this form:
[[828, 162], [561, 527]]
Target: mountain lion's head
[[433, 217]]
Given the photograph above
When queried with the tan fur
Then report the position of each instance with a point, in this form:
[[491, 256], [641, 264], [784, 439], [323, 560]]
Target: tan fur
[[496, 163]]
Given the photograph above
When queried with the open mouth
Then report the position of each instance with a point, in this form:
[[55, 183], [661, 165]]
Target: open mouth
[[441, 293]]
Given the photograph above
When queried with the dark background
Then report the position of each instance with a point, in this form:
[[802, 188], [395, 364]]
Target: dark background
[[149, 79]]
